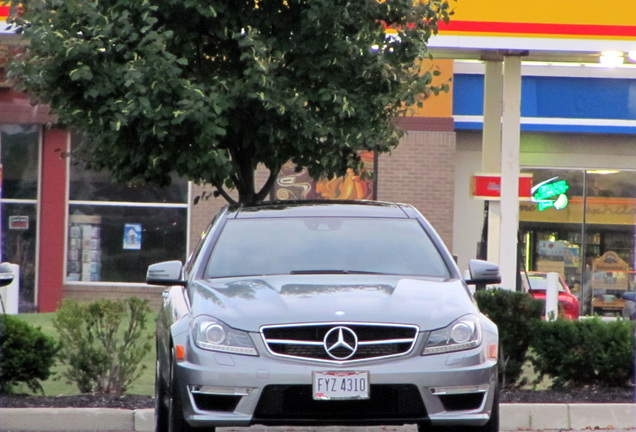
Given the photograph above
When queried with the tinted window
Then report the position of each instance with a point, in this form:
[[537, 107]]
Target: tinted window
[[284, 245]]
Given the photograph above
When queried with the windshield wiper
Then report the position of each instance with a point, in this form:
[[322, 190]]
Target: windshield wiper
[[327, 271]]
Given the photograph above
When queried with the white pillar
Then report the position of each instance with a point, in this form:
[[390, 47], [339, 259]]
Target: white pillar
[[494, 231], [491, 146], [493, 95], [552, 296], [510, 138]]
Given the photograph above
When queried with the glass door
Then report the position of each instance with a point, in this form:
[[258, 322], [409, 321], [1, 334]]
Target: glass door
[[19, 157]]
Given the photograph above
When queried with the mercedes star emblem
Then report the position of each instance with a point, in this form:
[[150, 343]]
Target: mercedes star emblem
[[340, 343]]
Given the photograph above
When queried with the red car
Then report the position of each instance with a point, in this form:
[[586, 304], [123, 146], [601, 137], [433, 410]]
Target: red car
[[568, 302]]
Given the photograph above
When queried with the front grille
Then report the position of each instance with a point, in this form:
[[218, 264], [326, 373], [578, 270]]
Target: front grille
[[307, 341], [295, 402]]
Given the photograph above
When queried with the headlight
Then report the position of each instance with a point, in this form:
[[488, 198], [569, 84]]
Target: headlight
[[462, 334], [214, 335]]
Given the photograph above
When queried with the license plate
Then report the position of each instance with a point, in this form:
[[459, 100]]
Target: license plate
[[328, 385]]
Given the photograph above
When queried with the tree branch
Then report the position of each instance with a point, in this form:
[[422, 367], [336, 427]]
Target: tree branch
[[267, 187], [224, 194]]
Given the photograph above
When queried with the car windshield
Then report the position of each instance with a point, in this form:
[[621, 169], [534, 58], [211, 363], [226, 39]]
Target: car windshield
[[540, 283], [249, 247]]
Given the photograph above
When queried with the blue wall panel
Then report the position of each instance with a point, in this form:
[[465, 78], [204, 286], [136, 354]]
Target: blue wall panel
[[578, 98], [556, 97], [468, 94]]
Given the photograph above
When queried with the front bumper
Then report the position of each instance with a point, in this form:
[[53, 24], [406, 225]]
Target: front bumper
[[220, 390]]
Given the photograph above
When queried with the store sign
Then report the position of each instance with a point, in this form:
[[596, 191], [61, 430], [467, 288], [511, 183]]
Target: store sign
[[488, 186], [597, 210], [18, 222], [551, 194]]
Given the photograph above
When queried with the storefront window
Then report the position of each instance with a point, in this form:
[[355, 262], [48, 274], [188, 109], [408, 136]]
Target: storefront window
[[581, 224], [610, 215], [116, 231], [117, 243], [19, 160]]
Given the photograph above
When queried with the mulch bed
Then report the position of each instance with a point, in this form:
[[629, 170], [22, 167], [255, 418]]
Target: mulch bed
[[579, 395], [78, 401]]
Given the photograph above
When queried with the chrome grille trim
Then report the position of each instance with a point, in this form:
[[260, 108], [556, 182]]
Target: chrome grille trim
[[391, 340]]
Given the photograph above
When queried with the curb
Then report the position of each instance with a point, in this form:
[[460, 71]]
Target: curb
[[513, 417]]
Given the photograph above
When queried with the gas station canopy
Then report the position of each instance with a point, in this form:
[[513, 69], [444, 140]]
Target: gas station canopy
[[540, 30]]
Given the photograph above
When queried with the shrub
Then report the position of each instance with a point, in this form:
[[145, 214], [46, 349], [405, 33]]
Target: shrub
[[516, 314], [26, 355], [585, 352], [103, 355]]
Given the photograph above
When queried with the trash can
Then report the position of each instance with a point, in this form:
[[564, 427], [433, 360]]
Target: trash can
[[10, 294]]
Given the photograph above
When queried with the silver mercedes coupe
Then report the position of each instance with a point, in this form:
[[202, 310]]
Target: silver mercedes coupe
[[323, 313]]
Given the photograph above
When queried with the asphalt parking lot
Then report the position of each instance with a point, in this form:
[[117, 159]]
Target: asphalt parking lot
[[514, 417]]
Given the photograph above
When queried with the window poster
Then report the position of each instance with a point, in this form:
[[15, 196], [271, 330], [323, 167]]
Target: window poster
[[84, 248], [132, 236]]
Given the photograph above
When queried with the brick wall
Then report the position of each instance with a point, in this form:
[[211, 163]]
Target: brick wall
[[203, 211], [421, 172], [207, 206], [91, 293]]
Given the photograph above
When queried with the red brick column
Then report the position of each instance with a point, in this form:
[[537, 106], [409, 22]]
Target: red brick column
[[52, 224]]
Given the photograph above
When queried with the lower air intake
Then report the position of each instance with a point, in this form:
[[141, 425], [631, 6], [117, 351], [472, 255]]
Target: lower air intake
[[295, 402]]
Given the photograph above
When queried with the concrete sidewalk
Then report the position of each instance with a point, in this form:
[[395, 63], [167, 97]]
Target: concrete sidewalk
[[513, 417]]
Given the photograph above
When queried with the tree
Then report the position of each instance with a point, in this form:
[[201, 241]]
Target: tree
[[210, 89]]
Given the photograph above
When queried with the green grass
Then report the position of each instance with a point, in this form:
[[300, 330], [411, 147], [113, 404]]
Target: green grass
[[56, 386], [530, 376]]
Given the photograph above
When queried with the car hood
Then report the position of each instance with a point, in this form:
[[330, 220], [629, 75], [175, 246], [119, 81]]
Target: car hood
[[249, 303]]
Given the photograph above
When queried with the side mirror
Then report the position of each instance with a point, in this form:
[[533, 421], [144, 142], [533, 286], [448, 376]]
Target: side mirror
[[483, 273], [6, 274], [165, 273]]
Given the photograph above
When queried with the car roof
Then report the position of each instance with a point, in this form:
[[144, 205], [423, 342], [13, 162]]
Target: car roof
[[322, 208]]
